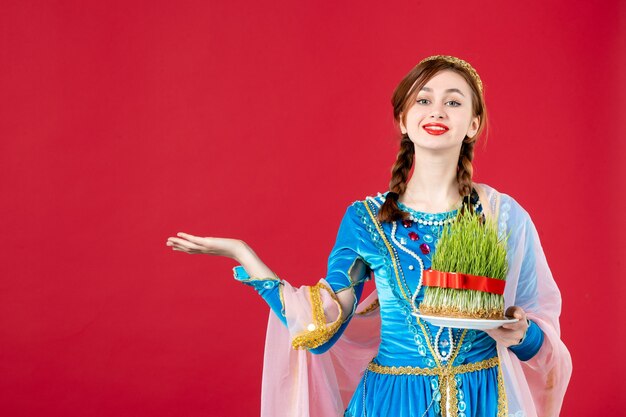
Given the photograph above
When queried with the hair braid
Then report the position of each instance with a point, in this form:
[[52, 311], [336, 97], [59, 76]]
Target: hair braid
[[465, 171], [390, 211]]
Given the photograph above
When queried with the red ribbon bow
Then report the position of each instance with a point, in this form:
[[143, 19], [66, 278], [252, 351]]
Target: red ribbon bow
[[460, 281]]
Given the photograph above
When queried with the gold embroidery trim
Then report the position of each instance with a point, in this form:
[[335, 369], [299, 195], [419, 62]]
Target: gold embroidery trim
[[453, 388], [503, 406], [375, 304], [322, 332], [447, 380], [414, 370]]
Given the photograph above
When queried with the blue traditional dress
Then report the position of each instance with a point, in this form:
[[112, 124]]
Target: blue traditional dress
[[420, 369]]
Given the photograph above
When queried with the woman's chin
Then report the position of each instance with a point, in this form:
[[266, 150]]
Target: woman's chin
[[438, 146]]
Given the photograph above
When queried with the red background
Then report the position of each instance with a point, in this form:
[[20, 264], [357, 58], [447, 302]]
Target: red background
[[123, 123]]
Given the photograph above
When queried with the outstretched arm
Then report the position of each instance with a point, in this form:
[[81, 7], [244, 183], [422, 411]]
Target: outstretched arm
[[231, 248], [255, 273], [347, 272], [267, 286]]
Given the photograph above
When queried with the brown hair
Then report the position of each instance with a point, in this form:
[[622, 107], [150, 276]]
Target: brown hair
[[403, 97]]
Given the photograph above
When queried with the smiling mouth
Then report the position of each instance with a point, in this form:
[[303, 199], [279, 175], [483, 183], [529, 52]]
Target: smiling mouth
[[435, 129]]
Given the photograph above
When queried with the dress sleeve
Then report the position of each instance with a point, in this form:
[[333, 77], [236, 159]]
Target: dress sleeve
[[527, 295], [530, 344], [313, 314], [540, 375], [268, 289]]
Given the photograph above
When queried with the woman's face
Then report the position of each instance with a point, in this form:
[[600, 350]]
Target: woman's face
[[442, 113]]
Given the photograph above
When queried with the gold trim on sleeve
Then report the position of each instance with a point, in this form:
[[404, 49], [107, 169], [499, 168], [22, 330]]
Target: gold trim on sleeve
[[375, 304], [319, 331]]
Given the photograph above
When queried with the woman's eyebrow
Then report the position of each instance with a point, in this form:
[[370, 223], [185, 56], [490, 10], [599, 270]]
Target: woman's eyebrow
[[449, 90]]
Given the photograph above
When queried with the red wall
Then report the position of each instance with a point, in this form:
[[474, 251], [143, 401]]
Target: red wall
[[125, 122]]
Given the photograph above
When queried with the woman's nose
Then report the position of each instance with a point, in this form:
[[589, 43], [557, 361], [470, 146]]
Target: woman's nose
[[437, 113]]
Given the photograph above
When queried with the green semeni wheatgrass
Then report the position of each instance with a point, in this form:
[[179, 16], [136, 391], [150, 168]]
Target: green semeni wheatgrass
[[470, 246]]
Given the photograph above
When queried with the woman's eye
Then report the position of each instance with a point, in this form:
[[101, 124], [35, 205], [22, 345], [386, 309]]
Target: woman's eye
[[452, 103]]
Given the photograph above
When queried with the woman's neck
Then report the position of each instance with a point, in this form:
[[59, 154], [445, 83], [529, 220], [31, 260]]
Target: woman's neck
[[433, 187]]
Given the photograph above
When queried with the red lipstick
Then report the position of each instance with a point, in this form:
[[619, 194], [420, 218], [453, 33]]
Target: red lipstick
[[435, 128]]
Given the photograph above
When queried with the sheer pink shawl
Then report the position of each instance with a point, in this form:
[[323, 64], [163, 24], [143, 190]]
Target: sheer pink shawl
[[299, 383]]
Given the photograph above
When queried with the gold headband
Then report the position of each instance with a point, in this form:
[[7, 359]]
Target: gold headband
[[459, 62]]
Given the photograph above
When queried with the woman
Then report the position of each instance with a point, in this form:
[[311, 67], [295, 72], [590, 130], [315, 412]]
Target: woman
[[418, 369]]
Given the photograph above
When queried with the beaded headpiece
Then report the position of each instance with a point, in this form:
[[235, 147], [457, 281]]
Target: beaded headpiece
[[459, 62]]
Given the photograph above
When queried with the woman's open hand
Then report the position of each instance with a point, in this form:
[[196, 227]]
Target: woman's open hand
[[512, 333], [230, 248]]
